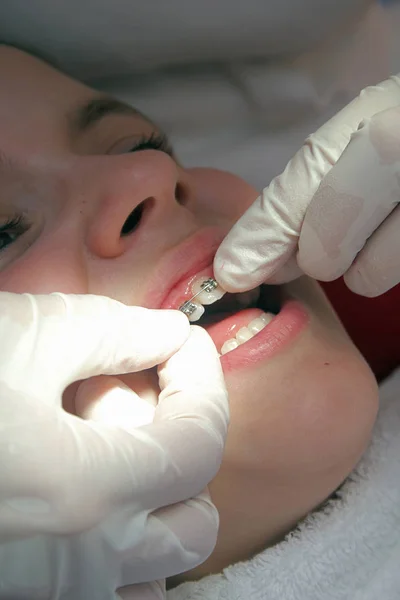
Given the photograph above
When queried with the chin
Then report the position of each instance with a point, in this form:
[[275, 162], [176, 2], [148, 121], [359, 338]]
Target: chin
[[309, 407]]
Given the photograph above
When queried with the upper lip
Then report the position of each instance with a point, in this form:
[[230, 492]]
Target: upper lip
[[181, 263]]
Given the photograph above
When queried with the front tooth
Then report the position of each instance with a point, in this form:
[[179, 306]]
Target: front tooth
[[207, 297], [267, 317], [243, 335], [260, 322], [197, 313], [229, 345]]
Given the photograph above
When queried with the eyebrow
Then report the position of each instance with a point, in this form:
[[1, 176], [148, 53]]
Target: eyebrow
[[83, 118], [92, 112]]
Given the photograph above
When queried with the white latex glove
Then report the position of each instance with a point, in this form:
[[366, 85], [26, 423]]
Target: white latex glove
[[87, 506], [333, 211]]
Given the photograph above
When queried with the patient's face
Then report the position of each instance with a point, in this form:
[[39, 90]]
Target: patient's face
[[92, 201]]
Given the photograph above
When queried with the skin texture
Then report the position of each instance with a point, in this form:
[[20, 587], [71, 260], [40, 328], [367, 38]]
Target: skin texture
[[299, 421]]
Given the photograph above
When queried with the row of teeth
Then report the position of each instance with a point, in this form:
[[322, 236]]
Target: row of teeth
[[206, 294], [204, 298], [246, 333]]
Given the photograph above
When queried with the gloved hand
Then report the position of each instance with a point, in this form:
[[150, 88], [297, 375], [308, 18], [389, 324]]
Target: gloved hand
[[87, 505], [333, 211]]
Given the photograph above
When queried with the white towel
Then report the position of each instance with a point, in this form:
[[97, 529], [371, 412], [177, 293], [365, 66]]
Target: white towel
[[350, 550]]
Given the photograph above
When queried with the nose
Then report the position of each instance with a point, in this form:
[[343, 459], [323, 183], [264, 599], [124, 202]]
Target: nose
[[122, 194]]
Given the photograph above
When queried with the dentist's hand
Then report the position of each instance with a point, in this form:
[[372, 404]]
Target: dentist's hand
[[333, 211], [87, 506]]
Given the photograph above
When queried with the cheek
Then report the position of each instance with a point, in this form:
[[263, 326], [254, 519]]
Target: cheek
[[43, 271], [221, 194], [314, 418], [331, 422]]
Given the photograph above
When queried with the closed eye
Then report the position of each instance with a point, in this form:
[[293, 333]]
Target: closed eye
[[154, 141]]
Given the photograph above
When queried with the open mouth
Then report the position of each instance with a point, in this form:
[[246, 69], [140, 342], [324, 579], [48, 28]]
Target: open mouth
[[235, 319]]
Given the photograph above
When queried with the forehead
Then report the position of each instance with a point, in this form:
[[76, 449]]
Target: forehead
[[44, 111], [34, 98], [25, 74]]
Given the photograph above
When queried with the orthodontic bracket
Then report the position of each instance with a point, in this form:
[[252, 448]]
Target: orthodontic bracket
[[189, 306]]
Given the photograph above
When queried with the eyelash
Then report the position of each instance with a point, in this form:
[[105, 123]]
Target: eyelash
[[154, 141], [16, 225]]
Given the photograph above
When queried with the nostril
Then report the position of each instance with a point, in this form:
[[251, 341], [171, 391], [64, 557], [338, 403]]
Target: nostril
[[181, 194], [133, 220]]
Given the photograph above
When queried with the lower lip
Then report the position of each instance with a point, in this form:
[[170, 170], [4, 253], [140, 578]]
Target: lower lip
[[278, 334]]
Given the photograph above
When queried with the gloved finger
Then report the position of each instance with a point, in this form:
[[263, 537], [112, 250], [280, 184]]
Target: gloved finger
[[174, 539], [193, 408], [76, 337], [143, 591], [267, 235], [356, 196], [191, 398], [108, 400], [181, 451], [377, 268]]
